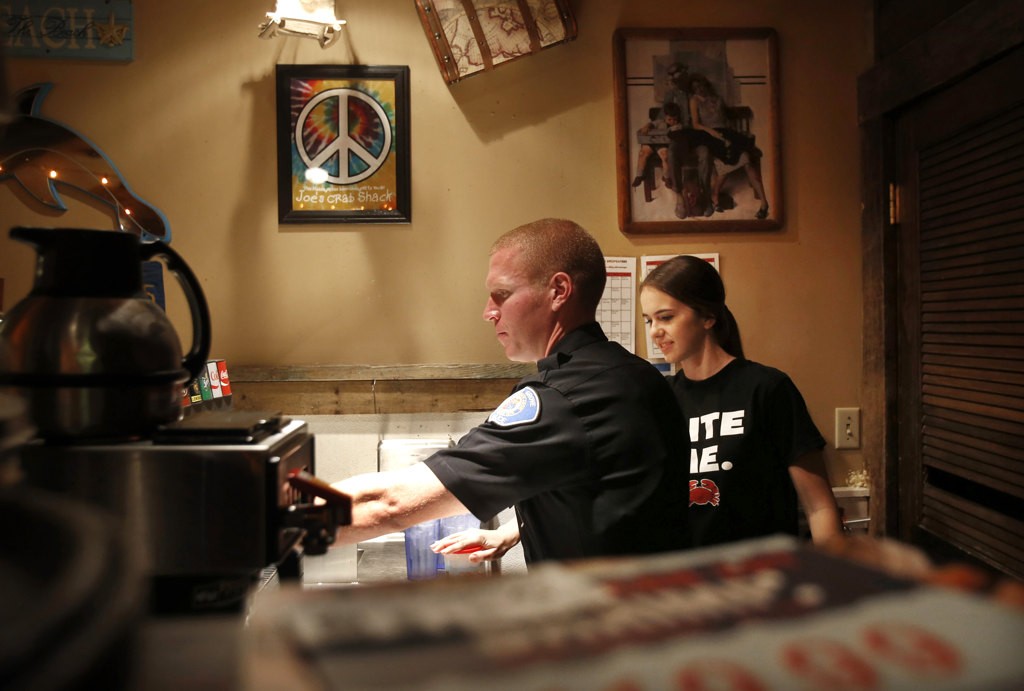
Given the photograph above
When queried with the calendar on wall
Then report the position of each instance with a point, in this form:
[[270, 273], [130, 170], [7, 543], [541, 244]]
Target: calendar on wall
[[616, 311]]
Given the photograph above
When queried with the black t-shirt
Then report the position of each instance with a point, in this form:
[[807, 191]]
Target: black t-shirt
[[746, 424], [589, 450]]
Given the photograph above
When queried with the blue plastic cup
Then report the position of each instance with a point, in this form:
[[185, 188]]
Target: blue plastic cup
[[420, 561], [455, 524]]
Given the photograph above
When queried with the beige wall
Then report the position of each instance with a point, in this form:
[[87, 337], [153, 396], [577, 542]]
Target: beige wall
[[190, 123]]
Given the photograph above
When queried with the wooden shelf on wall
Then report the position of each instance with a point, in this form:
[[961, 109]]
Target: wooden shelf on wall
[[373, 389]]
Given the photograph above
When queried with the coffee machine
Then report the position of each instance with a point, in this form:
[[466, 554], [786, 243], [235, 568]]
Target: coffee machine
[[212, 502], [208, 500]]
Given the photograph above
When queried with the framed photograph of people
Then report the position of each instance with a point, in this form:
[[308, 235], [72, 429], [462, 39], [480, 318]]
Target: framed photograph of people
[[343, 144], [697, 131]]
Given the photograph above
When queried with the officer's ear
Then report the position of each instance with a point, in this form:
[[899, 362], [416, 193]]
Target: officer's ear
[[561, 289]]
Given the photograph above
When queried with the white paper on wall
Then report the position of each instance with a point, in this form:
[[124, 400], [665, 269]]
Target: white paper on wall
[[616, 311]]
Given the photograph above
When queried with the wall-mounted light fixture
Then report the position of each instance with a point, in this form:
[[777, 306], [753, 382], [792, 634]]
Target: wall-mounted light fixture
[[308, 18]]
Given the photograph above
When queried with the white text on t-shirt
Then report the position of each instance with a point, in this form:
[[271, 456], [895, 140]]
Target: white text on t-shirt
[[703, 456]]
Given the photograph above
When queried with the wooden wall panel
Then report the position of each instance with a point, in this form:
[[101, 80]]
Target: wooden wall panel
[[356, 389]]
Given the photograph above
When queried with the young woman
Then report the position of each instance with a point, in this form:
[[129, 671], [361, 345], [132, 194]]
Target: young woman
[[707, 115], [754, 450]]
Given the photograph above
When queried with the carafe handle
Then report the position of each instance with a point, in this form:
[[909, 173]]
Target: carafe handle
[[195, 359]]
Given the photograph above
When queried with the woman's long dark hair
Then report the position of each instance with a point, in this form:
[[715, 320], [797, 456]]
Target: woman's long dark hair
[[694, 282]]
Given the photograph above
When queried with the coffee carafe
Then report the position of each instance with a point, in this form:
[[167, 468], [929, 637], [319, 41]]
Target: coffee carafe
[[91, 353]]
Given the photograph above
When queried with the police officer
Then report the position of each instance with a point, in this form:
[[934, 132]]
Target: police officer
[[588, 450]]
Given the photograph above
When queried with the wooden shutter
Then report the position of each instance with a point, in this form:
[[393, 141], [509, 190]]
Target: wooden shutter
[[969, 369]]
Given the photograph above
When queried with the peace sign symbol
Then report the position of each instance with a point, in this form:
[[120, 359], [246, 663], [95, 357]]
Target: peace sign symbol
[[359, 157]]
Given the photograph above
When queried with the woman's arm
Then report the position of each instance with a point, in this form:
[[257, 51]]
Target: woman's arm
[[815, 494]]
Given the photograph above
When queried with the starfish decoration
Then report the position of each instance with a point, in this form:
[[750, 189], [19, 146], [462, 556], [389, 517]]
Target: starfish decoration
[[111, 34]]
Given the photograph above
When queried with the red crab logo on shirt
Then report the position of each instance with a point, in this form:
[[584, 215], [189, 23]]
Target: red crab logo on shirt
[[704, 493]]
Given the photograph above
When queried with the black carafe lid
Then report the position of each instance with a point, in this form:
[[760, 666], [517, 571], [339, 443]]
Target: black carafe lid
[[75, 262]]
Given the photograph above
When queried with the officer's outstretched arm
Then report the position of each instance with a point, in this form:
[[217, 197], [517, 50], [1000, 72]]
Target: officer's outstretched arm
[[391, 501]]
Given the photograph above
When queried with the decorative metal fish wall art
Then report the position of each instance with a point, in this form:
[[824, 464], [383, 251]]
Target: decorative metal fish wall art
[[43, 155]]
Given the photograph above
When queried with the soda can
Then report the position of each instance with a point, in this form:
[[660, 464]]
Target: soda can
[[225, 381], [195, 392], [214, 378], [204, 384]]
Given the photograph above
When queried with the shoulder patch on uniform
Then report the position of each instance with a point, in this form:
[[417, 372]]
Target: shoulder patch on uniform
[[520, 408]]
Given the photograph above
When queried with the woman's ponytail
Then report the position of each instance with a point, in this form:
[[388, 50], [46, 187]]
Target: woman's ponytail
[[727, 332]]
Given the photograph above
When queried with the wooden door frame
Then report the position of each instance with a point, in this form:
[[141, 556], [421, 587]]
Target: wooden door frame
[[977, 34]]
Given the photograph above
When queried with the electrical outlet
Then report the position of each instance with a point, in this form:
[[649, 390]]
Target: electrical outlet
[[847, 428]]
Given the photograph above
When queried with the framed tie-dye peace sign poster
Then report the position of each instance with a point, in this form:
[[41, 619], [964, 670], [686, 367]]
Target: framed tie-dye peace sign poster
[[343, 144]]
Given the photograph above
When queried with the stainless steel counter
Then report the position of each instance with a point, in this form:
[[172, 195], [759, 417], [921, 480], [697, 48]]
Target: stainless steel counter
[[380, 560], [373, 561]]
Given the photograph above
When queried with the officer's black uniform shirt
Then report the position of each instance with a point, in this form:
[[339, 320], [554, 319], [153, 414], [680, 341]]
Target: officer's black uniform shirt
[[590, 451]]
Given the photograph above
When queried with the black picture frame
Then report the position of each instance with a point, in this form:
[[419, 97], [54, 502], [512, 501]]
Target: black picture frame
[[343, 144], [739, 67]]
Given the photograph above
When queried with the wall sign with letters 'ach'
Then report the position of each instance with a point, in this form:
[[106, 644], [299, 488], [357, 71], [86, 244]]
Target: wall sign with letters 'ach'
[[78, 29], [473, 36]]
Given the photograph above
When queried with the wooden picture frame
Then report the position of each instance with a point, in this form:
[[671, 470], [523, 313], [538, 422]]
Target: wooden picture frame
[[671, 171], [343, 144], [474, 36]]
